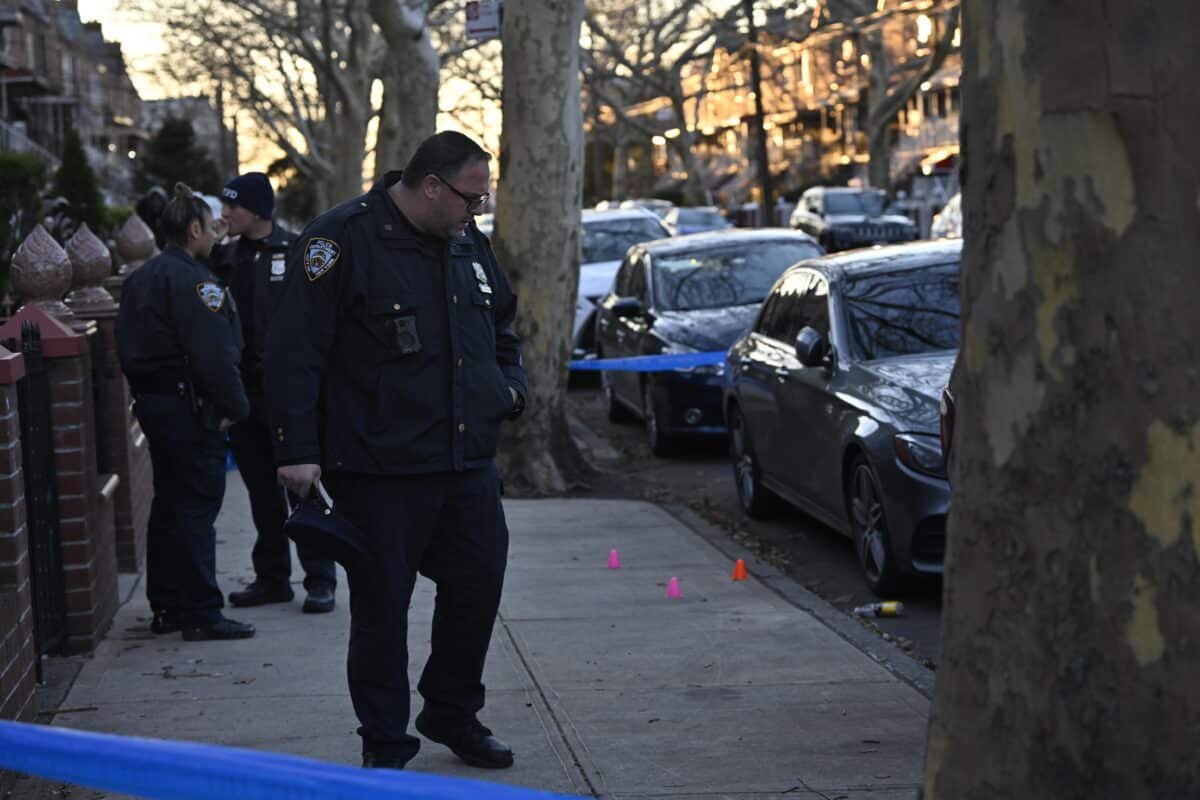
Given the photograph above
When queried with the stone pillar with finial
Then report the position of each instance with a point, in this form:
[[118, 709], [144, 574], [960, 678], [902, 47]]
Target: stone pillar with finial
[[41, 274], [134, 245], [91, 263], [121, 448]]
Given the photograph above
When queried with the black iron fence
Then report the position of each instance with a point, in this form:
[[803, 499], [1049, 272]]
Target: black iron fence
[[41, 497]]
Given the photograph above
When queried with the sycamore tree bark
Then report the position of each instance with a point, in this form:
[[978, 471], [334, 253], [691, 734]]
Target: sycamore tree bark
[[1071, 624], [410, 70], [538, 227]]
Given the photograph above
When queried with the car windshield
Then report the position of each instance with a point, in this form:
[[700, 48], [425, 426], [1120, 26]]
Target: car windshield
[[903, 313], [607, 240], [869, 203], [699, 216], [725, 276]]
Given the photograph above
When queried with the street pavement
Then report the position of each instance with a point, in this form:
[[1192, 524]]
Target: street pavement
[[602, 685]]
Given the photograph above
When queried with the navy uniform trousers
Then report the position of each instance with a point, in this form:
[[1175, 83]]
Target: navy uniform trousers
[[250, 441], [450, 528], [189, 485]]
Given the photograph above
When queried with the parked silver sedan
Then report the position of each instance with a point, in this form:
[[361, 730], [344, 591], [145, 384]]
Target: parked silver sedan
[[831, 401]]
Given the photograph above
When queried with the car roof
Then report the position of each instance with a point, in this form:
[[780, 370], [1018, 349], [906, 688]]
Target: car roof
[[845, 190], [676, 244], [592, 215], [886, 258]]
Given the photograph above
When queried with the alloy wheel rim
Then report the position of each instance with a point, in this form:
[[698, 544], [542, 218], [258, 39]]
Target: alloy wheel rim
[[867, 511], [743, 464], [651, 417]]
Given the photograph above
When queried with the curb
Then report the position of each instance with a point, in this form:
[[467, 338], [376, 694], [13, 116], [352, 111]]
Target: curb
[[887, 655]]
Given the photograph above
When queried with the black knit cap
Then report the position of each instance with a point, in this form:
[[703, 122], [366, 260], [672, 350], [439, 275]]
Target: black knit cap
[[251, 191]]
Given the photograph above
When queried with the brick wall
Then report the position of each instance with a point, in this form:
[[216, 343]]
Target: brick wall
[[86, 524], [17, 652], [123, 449]]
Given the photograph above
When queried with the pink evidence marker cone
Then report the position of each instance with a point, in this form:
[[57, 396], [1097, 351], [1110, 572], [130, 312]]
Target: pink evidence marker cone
[[614, 560], [673, 589]]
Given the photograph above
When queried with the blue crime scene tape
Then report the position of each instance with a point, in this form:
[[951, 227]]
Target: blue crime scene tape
[[166, 770], [666, 363]]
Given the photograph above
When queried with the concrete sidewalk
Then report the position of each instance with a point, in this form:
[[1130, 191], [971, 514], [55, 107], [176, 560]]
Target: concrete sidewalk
[[601, 685]]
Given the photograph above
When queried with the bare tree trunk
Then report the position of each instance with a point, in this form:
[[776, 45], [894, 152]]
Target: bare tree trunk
[[684, 146], [1071, 630], [538, 223], [620, 173], [411, 74]]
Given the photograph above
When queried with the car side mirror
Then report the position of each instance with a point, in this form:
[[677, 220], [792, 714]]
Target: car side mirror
[[812, 348], [627, 307]]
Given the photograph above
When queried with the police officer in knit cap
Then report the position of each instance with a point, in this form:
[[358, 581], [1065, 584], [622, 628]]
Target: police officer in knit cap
[[391, 364], [179, 342], [254, 266]]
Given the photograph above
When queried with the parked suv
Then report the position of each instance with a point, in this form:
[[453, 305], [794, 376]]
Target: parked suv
[[841, 218]]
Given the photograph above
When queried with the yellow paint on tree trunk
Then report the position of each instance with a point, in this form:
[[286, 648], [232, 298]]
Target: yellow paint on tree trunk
[[1165, 497], [1142, 632]]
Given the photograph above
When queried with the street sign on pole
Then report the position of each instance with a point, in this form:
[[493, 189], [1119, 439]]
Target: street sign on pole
[[484, 18]]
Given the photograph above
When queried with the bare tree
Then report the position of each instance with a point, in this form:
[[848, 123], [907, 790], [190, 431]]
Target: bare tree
[[640, 51], [1071, 626], [538, 226], [410, 70], [894, 76]]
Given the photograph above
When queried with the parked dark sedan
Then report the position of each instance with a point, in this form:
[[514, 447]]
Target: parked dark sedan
[[686, 294], [832, 401]]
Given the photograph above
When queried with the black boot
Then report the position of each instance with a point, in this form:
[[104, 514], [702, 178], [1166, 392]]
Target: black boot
[[259, 594], [473, 743], [319, 600], [224, 628]]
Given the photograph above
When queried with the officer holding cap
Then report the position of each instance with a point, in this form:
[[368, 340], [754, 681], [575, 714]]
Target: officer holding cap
[[254, 266], [390, 365]]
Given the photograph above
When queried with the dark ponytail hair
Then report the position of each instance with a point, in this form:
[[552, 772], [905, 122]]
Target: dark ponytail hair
[[179, 214]]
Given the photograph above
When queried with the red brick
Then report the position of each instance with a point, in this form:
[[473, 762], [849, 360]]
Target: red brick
[[68, 461], [80, 600], [81, 623], [77, 578], [68, 438], [75, 551], [70, 484], [12, 515], [66, 369], [10, 458], [14, 574], [71, 506], [66, 391], [62, 415]]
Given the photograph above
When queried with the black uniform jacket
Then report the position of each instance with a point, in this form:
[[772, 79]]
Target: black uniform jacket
[[254, 271], [391, 352], [176, 321]]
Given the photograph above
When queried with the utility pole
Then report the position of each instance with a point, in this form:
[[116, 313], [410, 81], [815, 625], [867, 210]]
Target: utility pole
[[758, 129]]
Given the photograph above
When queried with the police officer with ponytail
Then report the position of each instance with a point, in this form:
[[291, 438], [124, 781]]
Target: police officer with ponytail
[[179, 342]]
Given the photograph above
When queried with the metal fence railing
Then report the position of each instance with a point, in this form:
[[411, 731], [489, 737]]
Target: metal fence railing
[[41, 496]]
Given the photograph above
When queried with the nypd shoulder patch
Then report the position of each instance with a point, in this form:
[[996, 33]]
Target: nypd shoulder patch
[[211, 294], [319, 256]]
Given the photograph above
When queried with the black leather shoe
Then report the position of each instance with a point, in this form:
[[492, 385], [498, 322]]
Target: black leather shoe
[[319, 600], [373, 760], [256, 594], [473, 743], [164, 622], [224, 628]]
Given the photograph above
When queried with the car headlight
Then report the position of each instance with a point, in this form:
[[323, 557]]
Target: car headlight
[[707, 369], [921, 453]]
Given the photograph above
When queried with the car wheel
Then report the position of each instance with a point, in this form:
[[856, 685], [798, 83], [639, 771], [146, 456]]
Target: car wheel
[[756, 500], [617, 412], [660, 443], [868, 520]]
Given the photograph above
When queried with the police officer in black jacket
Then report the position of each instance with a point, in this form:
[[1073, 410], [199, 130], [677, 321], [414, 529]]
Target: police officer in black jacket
[[254, 267], [179, 342], [390, 365]]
